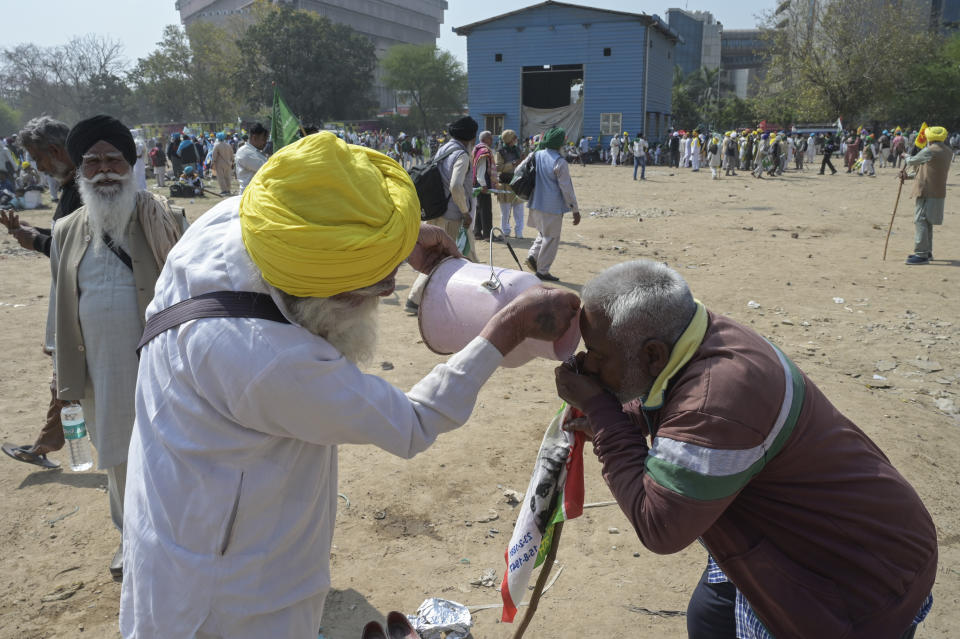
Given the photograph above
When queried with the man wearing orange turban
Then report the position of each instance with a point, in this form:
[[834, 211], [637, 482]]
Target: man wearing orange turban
[[232, 472], [932, 165]]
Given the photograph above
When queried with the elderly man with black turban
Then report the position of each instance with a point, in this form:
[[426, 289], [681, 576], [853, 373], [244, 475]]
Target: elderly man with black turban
[[552, 196], [105, 260], [249, 380]]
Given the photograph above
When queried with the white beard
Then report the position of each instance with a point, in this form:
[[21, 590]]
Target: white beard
[[351, 328], [109, 208]]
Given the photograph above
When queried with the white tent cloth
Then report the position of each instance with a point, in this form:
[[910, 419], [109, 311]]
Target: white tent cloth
[[534, 121]]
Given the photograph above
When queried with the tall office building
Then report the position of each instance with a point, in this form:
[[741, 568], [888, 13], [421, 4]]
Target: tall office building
[[701, 39], [385, 22]]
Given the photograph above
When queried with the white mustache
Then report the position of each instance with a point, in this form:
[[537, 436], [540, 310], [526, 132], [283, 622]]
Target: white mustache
[[103, 177]]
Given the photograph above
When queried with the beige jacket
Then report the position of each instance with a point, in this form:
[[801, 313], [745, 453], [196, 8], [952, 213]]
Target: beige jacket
[[72, 237]]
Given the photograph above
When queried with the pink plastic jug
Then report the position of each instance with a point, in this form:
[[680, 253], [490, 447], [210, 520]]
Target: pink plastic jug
[[459, 298]]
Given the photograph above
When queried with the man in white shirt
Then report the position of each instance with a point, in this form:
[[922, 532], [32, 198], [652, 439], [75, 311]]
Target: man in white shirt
[[615, 150], [584, 149], [639, 150], [250, 157], [232, 481]]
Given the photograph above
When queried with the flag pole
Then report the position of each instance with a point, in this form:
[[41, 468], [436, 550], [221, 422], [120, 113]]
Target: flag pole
[[541, 581]]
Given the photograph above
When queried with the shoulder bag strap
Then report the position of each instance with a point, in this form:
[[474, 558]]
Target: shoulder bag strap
[[215, 304], [117, 250]]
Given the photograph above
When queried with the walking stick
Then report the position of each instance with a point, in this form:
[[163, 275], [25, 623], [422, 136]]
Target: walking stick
[[541, 581], [206, 190], [895, 205]]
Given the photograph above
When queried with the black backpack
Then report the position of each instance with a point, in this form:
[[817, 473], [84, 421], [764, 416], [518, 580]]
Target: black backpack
[[525, 178], [431, 190]]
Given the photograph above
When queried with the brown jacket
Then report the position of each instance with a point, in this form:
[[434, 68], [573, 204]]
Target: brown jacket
[[815, 527], [931, 179]]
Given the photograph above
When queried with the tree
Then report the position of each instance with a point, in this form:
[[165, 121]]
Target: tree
[[845, 57], [932, 90], [9, 119], [63, 80], [188, 76], [432, 79], [162, 80], [736, 114], [214, 55], [695, 102], [324, 70], [686, 115]]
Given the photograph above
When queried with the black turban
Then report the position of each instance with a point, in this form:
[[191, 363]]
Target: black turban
[[464, 129], [100, 127]]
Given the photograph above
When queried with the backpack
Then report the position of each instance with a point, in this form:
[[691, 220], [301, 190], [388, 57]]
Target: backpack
[[525, 178], [431, 190], [712, 149]]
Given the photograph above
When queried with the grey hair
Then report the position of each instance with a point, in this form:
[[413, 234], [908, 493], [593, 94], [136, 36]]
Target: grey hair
[[485, 134], [42, 132], [641, 299]]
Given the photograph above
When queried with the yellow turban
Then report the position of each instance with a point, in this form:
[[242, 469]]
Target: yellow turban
[[323, 217], [936, 134]]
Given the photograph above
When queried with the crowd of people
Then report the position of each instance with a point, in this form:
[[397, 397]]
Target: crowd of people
[[760, 152], [217, 384]]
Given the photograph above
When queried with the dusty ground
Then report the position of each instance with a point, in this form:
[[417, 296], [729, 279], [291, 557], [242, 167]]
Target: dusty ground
[[795, 245]]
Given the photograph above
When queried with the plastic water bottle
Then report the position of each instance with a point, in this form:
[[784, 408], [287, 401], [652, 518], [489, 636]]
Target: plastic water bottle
[[75, 432]]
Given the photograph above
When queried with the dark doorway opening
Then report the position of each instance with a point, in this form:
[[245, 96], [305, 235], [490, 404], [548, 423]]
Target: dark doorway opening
[[549, 87]]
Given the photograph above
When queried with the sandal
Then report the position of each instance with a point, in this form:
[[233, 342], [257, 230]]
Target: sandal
[[25, 454]]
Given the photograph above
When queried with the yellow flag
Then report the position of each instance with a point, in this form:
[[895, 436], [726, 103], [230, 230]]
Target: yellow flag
[[921, 140]]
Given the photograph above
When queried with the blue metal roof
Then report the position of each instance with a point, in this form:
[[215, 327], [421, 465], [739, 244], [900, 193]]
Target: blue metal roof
[[648, 20]]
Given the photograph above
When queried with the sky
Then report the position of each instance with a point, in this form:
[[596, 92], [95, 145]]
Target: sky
[[138, 24]]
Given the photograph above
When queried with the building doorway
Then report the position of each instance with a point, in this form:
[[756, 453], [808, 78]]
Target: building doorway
[[552, 95]]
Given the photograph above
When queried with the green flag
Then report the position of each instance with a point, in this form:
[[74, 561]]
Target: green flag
[[284, 125]]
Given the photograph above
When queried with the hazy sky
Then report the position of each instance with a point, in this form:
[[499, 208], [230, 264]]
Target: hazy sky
[[138, 24]]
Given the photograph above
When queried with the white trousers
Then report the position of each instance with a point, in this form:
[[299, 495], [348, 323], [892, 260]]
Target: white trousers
[[544, 248], [506, 209]]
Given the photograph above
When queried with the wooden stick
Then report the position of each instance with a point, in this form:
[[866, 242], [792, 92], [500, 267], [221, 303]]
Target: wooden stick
[[895, 205], [541, 580]]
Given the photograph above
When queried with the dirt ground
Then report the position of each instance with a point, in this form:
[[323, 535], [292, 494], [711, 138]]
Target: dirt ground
[[805, 247]]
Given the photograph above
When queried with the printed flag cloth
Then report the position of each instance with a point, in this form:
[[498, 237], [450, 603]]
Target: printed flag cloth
[[555, 494], [283, 123], [921, 140]]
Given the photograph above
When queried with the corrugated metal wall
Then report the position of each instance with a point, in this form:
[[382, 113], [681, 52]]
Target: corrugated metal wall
[[554, 35]]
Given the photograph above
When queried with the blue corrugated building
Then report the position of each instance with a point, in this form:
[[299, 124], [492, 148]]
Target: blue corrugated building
[[559, 63]]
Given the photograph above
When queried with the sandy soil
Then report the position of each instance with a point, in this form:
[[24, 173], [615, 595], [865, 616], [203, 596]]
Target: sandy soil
[[414, 529]]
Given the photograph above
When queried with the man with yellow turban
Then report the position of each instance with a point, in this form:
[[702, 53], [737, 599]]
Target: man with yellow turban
[[232, 480], [932, 166]]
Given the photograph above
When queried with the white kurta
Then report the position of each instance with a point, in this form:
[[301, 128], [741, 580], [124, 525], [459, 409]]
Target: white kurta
[[232, 480], [110, 321], [140, 168]]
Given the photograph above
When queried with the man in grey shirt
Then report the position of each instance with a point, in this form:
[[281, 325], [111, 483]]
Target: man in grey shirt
[[455, 167]]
